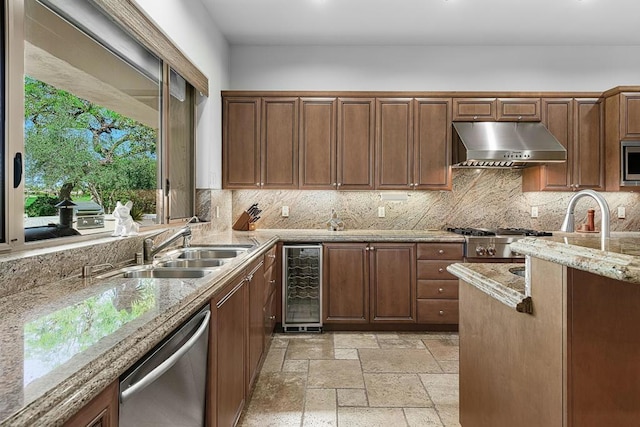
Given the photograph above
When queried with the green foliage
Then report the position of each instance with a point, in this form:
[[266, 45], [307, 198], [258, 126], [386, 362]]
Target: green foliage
[[42, 206], [71, 141]]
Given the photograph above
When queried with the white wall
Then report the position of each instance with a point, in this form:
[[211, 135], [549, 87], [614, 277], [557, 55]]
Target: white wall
[[191, 28], [434, 68]]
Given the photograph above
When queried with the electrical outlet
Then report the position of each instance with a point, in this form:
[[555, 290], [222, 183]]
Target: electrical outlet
[[285, 211], [217, 211], [534, 212], [622, 214], [381, 212]]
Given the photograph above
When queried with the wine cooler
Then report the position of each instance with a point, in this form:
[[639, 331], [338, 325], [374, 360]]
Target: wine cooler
[[302, 288]]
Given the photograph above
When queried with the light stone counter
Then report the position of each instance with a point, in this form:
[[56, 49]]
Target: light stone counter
[[62, 343]]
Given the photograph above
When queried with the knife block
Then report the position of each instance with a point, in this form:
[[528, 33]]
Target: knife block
[[243, 223]]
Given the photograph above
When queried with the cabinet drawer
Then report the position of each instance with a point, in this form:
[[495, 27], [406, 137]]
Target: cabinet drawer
[[435, 251], [434, 270], [270, 256], [438, 311], [519, 109], [440, 289]]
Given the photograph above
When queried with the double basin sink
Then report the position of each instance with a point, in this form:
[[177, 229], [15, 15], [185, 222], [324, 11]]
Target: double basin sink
[[184, 263]]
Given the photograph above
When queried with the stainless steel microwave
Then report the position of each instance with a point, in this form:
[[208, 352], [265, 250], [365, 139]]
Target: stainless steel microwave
[[630, 163]]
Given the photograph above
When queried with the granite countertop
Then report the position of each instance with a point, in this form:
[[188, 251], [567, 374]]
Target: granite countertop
[[62, 343], [496, 280], [620, 260]]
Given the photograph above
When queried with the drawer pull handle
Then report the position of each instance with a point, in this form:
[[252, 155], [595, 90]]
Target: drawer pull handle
[[441, 270], [441, 312], [441, 251], [440, 290]]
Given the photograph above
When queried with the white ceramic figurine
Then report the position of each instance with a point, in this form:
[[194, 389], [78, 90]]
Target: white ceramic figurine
[[125, 225]]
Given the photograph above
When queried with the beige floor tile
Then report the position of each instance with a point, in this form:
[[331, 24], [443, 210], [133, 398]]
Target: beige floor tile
[[279, 341], [428, 335], [320, 408], [449, 366], [400, 342], [422, 417], [442, 388], [346, 353], [295, 366], [335, 374], [278, 400], [352, 397], [449, 414], [274, 359], [398, 361], [396, 390], [302, 350], [370, 417], [444, 349], [355, 340]]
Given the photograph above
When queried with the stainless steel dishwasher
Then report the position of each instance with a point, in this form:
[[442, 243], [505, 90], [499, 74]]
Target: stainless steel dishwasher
[[167, 386]]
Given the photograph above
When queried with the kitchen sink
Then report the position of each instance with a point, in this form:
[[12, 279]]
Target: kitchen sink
[[148, 271], [194, 262], [209, 252], [518, 271]]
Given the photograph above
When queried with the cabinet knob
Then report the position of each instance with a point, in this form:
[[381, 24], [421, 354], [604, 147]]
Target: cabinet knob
[[333, 184], [441, 270], [519, 117], [440, 290], [271, 256], [272, 317], [441, 312], [339, 184], [250, 277], [475, 117], [257, 184], [273, 282], [440, 251]]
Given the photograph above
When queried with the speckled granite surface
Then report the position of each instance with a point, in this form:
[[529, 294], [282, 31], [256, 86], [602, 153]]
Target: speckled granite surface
[[494, 279], [62, 342], [620, 261]]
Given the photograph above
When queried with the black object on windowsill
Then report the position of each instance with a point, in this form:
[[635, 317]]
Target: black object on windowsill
[[50, 231]]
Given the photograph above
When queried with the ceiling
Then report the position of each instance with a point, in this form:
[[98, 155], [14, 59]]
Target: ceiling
[[427, 22]]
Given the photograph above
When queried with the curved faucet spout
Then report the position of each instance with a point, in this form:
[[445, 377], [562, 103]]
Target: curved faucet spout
[[569, 221]]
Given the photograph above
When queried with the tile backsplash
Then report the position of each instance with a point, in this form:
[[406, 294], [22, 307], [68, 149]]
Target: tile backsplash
[[480, 198]]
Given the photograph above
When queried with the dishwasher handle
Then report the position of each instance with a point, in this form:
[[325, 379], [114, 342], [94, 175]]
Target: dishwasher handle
[[168, 363]]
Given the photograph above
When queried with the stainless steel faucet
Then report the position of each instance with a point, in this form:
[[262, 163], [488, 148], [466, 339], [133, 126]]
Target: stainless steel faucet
[[150, 250], [569, 221]]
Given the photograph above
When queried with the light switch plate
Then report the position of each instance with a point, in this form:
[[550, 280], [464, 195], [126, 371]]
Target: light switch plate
[[381, 212], [534, 212], [285, 211], [622, 213]]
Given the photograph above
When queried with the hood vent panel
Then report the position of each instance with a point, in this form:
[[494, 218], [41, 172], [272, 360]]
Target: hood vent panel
[[504, 145]]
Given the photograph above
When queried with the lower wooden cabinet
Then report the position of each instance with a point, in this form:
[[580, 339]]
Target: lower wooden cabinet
[[102, 411], [369, 283], [255, 337]]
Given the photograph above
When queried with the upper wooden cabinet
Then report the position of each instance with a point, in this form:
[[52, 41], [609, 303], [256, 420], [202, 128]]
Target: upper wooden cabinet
[[355, 151], [318, 143], [630, 116], [500, 109], [241, 143], [432, 144], [394, 143], [622, 122], [260, 143], [577, 125]]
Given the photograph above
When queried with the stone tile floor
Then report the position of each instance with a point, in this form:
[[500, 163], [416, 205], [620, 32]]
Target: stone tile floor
[[353, 379]]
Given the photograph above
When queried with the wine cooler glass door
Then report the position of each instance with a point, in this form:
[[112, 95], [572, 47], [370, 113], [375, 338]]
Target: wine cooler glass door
[[302, 283]]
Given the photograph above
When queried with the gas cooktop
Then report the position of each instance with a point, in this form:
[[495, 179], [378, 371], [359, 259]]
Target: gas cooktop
[[481, 232]]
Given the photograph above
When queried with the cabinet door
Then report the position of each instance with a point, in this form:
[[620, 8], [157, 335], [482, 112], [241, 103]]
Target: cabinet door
[[228, 339], [557, 116], [279, 143], [318, 143], [270, 316], [630, 115], [518, 109], [474, 109], [102, 411], [241, 143], [432, 144], [255, 339], [393, 282], [356, 131], [588, 163], [394, 143], [345, 296]]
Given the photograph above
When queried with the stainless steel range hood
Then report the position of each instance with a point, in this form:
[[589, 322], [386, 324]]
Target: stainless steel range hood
[[504, 145]]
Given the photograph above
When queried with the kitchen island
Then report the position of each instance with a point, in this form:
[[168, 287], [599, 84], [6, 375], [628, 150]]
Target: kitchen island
[[571, 360]]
